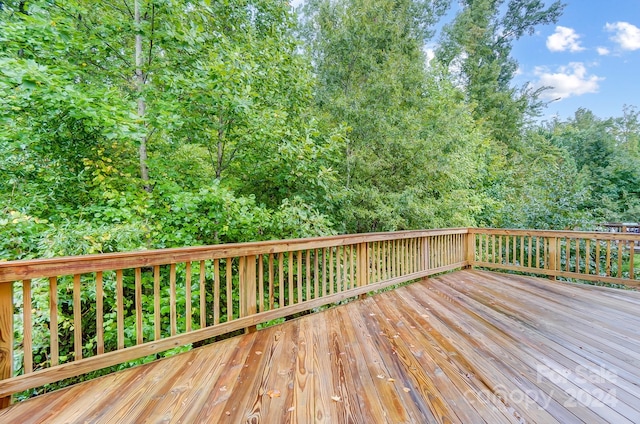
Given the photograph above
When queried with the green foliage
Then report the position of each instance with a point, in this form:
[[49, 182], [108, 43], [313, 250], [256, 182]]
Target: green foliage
[[253, 134]]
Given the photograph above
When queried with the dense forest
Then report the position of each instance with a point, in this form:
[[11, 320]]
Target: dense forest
[[161, 123]]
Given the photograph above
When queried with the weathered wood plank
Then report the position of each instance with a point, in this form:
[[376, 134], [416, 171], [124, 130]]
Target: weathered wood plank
[[471, 346]]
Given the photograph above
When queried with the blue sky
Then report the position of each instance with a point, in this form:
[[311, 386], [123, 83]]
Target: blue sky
[[591, 57]]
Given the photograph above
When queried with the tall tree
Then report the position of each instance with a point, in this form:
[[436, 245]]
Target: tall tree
[[477, 47], [410, 143]]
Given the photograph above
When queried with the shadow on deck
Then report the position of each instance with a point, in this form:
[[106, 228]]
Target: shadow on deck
[[471, 346]]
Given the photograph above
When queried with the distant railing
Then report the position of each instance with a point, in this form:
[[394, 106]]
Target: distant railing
[[590, 256], [104, 310]]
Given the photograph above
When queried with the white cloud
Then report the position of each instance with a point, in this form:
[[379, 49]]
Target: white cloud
[[430, 53], [564, 39], [568, 81], [603, 51], [626, 35]]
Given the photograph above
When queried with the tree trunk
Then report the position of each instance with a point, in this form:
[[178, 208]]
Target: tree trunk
[[144, 171]]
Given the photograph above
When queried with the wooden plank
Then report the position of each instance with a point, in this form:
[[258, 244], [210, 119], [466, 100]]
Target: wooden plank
[[27, 335], [42, 377], [77, 318], [307, 267], [249, 402], [6, 338], [465, 345]]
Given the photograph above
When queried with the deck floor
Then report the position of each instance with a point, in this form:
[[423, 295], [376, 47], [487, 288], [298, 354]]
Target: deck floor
[[466, 347]]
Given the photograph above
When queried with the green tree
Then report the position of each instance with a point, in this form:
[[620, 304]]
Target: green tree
[[477, 47], [604, 150], [409, 160]]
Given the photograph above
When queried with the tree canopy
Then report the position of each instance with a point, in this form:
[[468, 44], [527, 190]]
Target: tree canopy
[[145, 123]]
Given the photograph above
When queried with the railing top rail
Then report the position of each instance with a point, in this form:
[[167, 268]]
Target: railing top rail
[[600, 235], [68, 265]]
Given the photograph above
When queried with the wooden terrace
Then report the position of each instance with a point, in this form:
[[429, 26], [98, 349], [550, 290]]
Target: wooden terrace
[[466, 346]]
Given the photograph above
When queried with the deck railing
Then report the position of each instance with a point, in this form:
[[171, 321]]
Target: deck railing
[[65, 317], [591, 256], [104, 310]]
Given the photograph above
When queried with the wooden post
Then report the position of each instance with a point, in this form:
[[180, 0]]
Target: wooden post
[[470, 254], [248, 302], [6, 336], [552, 265], [362, 272]]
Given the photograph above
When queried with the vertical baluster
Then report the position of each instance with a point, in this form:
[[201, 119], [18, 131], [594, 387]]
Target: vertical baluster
[[299, 279], [587, 259], [577, 255], [187, 295], [216, 291], [120, 309], [620, 254], [324, 272], [331, 270], [271, 283], [281, 279], [172, 300], [351, 268], [316, 274], [632, 252], [27, 339], [308, 274], [261, 283], [99, 313], [242, 286], [77, 318], [608, 258], [567, 255], [156, 303], [291, 272], [203, 294], [597, 257], [138, 303], [228, 262]]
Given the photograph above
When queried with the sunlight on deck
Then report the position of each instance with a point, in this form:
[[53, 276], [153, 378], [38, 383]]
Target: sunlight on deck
[[466, 347]]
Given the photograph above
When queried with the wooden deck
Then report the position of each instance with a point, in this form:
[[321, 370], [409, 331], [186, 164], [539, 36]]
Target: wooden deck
[[466, 347]]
